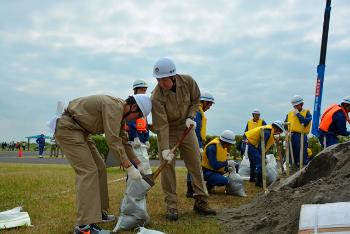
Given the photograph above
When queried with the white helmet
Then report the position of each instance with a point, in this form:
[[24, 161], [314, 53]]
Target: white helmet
[[207, 97], [296, 100], [256, 111], [143, 101], [279, 124], [139, 84], [228, 136], [345, 100], [164, 67]]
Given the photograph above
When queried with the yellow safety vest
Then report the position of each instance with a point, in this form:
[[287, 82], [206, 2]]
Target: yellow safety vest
[[204, 124], [254, 137], [221, 155], [295, 125], [252, 124]]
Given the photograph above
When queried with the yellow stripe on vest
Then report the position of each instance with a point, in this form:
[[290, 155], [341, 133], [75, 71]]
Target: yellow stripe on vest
[[254, 138]]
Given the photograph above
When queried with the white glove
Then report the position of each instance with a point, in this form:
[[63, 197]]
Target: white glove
[[148, 145], [143, 168], [296, 111], [201, 150], [168, 155], [133, 173], [231, 163], [136, 143], [190, 121]]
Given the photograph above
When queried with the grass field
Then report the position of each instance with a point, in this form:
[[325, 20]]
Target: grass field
[[47, 193]]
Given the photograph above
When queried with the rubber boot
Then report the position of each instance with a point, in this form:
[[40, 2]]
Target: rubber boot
[[252, 175], [201, 206], [172, 214], [190, 191]]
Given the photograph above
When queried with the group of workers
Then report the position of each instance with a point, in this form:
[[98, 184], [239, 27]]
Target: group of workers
[[176, 104]]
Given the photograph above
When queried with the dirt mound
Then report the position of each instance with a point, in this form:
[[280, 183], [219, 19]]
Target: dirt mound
[[326, 179]]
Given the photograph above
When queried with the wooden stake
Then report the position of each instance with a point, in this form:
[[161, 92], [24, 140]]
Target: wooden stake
[[263, 164], [301, 159], [287, 148]]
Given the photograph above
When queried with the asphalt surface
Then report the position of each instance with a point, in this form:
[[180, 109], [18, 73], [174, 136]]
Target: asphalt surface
[[32, 157]]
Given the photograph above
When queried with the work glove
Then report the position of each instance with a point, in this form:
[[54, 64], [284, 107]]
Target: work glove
[[190, 121], [136, 143], [201, 150], [133, 173], [168, 155], [148, 145], [231, 163], [143, 168]]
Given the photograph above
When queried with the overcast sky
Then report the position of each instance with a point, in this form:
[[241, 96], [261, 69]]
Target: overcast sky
[[247, 53]]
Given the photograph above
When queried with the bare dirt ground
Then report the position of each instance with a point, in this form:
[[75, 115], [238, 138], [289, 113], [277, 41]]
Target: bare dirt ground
[[326, 179]]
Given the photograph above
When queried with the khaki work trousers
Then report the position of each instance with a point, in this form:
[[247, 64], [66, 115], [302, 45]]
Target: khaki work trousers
[[90, 169], [189, 151]]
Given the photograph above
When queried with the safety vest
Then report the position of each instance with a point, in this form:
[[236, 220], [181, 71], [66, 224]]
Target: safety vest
[[141, 125], [254, 137], [221, 155], [295, 125], [327, 117], [204, 124], [252, 124]]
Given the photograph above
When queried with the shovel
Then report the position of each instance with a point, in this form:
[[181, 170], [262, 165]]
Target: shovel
[[150, 179]]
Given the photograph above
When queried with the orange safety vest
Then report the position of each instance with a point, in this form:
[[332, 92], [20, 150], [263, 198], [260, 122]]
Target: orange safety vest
[[327, 117], [141, 125]]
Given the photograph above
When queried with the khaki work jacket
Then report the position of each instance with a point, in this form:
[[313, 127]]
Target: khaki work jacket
[[171, 109], [98, 114]]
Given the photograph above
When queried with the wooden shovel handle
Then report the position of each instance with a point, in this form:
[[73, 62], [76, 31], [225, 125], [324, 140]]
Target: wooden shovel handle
[[179, 141]]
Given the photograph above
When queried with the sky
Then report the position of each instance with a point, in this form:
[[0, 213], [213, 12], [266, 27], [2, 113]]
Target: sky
[[247, 53]]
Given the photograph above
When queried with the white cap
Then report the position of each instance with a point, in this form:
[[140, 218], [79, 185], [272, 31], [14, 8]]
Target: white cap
[[139, 84], [256, 111], [345, 100], [279, 124], [228, 136], [207, 97], [143, 101], [296, 100], [164, 67]]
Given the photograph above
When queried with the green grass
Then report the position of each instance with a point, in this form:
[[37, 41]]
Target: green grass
[[47, 193]]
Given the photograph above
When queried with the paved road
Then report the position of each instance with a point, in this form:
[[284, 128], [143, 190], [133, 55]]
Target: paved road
[[32, 158]]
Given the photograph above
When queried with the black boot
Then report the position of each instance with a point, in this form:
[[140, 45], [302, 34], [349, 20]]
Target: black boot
[[190, 191], [252, 176], [258, 181]]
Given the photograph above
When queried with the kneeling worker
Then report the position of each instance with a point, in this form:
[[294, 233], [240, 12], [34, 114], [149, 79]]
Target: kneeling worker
[[98, 114], [254, 144], [214, 160]]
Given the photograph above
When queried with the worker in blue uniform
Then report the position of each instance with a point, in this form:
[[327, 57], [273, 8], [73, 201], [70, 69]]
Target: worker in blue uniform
[[41, 144], [253, 139], [206, 101], [254, 122], [137, 129], [300, 122], [214, 160], [333, 123]]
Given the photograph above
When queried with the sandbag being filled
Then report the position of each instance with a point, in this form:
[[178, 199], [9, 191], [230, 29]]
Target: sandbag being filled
[[235, 185], [133, 210], [14, 218]]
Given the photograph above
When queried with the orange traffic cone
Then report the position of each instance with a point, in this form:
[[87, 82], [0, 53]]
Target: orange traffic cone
[[20, 153]]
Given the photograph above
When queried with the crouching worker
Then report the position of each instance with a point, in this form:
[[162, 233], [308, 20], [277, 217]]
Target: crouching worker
[[214, 160], [98, 114], [254, 144]]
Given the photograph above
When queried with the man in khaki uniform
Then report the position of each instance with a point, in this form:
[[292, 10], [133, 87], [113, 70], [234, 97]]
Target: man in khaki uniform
[[175, 102], [98, 114]]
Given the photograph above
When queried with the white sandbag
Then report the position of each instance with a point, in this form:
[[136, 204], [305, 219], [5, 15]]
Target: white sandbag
[[144, 230], [271, 169], [14, 218], [142, 154], [244, 168], [133, 210], [322, 218], [235, 185]]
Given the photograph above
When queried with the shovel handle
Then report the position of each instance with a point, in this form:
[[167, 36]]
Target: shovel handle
[[179, 141]]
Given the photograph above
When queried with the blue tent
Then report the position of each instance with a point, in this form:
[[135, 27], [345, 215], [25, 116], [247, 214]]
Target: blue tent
[[36, 137]]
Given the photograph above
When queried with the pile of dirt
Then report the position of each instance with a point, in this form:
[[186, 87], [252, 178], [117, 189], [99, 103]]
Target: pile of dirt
[[326, 179]]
